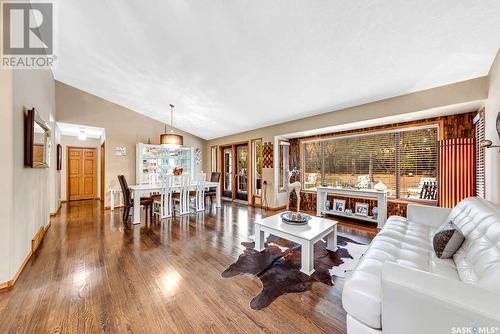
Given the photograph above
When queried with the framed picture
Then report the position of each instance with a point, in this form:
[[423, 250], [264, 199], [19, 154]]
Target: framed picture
[[339, 205], [59, 157], [362, 209]]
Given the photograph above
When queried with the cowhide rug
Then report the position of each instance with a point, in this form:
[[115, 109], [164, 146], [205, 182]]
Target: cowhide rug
[[278, 266]]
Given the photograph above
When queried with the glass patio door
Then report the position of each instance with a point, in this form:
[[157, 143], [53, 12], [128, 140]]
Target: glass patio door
[[227, 159], [242, 172]]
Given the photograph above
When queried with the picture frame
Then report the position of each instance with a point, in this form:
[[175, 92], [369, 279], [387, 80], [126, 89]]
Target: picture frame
[[361, 209], [59, 157], [338, 205]]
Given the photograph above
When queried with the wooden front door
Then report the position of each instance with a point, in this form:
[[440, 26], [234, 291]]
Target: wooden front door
[[82, 173]]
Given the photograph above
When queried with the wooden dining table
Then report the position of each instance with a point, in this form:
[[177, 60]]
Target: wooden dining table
[[146, 189]]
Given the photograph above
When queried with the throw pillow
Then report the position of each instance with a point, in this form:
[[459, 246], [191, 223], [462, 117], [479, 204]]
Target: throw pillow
[[447, 240]]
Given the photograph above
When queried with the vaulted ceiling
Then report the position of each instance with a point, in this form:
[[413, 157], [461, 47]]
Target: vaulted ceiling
[[231, 66]]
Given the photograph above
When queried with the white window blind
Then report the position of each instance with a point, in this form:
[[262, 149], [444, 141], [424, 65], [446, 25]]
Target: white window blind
[[352, 161], [479, 124], [405, 161], [418, 163]]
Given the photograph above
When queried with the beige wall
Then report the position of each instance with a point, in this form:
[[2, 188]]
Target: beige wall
[[124, 128], [462, 92], [72, 141], [27, 194], [492, 156], [6, 173]]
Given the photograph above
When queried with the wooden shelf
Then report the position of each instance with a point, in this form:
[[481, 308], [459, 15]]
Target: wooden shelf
[[353, 216]]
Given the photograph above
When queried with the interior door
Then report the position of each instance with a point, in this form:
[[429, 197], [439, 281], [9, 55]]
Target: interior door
[[241, 174], [82, 173], [227, 165]]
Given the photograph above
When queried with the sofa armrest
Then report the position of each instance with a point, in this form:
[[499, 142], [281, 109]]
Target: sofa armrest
[[428, 215], [415, 301]]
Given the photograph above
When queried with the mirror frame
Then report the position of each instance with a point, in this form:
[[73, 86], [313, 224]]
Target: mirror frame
[[31, 118]]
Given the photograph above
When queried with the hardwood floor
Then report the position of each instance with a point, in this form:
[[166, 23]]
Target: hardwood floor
[[93, 274]]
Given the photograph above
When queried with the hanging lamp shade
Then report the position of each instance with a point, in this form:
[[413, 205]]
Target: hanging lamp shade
[[171, 139]]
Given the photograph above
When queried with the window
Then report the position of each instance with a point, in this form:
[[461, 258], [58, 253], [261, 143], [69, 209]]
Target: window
[[418, 162], [312, 164], [360, 161], [257, 165], [479, 124], [405, 161], [284, 165]]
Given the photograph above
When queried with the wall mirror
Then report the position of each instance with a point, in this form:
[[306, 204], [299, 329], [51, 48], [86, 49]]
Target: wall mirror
[[37, 141]]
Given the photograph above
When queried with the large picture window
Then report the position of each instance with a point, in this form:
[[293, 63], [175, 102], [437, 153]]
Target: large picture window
[[404, 160]]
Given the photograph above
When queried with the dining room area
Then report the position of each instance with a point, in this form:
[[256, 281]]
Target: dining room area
[[169, 195], [167, 184]]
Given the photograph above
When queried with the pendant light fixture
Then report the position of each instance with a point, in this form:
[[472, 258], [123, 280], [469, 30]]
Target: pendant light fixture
[[171, 140]]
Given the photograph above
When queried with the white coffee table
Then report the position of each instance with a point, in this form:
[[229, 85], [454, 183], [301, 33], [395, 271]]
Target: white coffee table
[[306, 235]]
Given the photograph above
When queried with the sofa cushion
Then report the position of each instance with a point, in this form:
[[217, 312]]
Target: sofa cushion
[[478, 260], [403, 242], [447, 240]]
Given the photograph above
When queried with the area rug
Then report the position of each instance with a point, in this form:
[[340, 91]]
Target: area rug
[[278, 266]]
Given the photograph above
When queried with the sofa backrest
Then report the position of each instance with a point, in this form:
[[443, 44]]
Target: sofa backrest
[[478, 259]]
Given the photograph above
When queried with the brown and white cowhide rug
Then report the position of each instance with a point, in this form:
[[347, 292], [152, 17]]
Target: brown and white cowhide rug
[[278, 266]]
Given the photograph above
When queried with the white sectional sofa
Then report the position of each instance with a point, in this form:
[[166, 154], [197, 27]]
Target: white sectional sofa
[[400, 286]]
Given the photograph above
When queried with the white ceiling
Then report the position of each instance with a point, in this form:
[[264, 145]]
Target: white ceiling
[[68, 129], [231, 66]]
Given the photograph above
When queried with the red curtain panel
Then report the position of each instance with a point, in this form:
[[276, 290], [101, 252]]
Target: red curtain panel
[[457, 170]]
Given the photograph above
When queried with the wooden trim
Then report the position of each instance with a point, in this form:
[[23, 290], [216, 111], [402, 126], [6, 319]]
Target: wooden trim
[[5, 285], [35, 243], [21, 268], [52, 214], [103, 167]]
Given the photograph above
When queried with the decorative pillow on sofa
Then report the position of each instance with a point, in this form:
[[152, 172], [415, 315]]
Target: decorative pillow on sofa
[[447, 240]]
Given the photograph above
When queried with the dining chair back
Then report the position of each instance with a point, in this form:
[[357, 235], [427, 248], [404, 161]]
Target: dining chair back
[[199, 198], [166, 196], [212, 191], [127, 197], [185, 182], [215, 177], [153, 178]]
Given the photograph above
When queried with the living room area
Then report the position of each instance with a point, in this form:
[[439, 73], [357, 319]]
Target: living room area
[[284, 167]]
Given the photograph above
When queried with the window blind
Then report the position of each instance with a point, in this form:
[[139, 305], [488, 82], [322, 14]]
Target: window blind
[[311, 164], [360, 161], [405, 161], [479, 125], [418, 163]]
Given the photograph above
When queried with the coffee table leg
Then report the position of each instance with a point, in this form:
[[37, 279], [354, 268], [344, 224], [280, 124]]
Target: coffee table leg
[[259, 238], [331, 241], [307, 258]]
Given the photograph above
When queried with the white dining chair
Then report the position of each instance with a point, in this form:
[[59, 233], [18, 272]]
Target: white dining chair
[[152, 178], [184, 182], [199, 198], [163, 203]]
